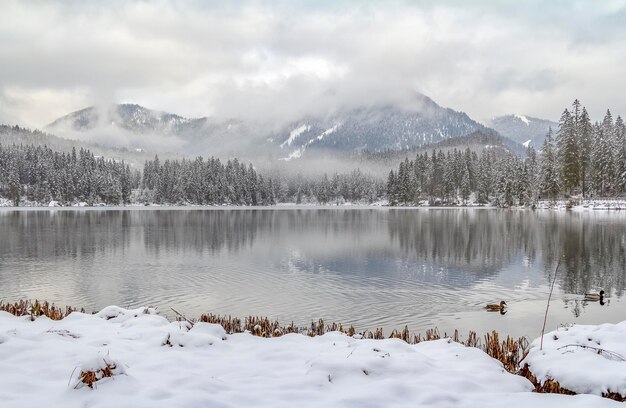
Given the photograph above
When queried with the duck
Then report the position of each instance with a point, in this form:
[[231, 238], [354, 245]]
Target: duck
[[594, 297], [496, 307]]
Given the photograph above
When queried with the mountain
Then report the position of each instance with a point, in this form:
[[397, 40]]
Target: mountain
[[374, 129], [369, 128], [525, 130], [131, 117], [136, 127]]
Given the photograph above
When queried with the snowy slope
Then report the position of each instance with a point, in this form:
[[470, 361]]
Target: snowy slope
[[523, 129], [136, 127], [131, 117], [375, 129]]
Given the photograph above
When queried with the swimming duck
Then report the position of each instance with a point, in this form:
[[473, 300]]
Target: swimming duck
[[496, 308], [594, 297]]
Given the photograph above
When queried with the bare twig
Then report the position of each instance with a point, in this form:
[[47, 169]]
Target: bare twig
[[611, 355], [181, 315], [71, 375], [545, 317]]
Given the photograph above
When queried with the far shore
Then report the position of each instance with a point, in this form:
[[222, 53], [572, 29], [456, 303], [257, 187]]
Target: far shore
[[560, 205]]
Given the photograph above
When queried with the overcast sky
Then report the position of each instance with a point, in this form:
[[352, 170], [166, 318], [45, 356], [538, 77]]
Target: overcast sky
[[267, 60]]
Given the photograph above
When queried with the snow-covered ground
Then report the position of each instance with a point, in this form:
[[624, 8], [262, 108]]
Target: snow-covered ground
[[561, 204], [158, 363], [605, 204], [594, 204], [583, 358]]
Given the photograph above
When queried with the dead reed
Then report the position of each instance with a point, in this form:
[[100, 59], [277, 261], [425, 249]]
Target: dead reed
[[36, 308], [510, 352]]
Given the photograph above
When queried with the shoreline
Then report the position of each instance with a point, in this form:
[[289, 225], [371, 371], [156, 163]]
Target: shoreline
[[599, 205]]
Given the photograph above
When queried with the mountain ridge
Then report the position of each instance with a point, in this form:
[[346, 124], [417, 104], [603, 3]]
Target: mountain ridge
[[129, 116], [372, 128]]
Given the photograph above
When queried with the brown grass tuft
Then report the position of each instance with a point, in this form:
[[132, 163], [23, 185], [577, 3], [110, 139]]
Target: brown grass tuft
[[90, 377], [36, 309], [510, 352]]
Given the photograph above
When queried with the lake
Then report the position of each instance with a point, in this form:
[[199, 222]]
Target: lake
[[370, 267]]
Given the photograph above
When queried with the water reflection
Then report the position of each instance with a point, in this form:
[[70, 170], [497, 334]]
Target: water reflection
[[371, 267], [593, 246]]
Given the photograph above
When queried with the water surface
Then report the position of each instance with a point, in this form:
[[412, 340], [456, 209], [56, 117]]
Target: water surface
[[369, 267]]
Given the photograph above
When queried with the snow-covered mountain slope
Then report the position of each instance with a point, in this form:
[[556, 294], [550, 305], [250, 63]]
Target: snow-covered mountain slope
[[131, 117], [136, 127], [525, 130], [374, 129]]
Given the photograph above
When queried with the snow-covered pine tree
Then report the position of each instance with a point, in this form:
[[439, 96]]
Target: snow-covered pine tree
[[466, 187], [549, 168], [532, 175], [585, 147], [603, 160], [568, 156], [324, 190], [620, 148], [392, 189], [484, 178], [448, 192], [14, 187]]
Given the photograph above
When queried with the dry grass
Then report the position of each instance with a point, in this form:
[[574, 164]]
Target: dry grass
[[36, 308], [90, 377], [549, 386], [510, 352]]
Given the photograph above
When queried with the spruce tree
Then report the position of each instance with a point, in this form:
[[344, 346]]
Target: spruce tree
[[532, 174], [603, 160], [13, 183], [568, 155], [549, 168], [584, 132], [620, 148]]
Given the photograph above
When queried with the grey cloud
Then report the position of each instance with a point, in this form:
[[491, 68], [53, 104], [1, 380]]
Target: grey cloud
[[268, 61]]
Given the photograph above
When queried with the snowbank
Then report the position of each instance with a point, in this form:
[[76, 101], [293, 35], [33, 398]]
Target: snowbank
[[582, 358], [138, 358], [577, 204], [606, 204]]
